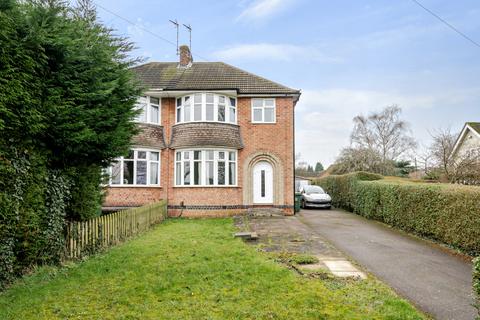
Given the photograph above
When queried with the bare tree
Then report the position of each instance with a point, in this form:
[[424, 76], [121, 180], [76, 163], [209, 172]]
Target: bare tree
[[362, 159], [441, 149], [384, 133]]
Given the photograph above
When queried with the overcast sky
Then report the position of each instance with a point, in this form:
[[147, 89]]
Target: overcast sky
[[347, 57]]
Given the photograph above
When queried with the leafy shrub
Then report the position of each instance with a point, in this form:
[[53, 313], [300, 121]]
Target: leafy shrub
[[447, 213], [304, 259], [476, 283]]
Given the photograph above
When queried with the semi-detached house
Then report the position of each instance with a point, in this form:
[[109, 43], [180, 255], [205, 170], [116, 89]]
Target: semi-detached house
[[214, 140]]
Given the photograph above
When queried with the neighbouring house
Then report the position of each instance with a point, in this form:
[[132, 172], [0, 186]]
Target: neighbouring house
[[214, 140], [468, 141]]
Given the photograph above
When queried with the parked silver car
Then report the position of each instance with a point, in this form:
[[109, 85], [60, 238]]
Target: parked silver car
[[315, 196]]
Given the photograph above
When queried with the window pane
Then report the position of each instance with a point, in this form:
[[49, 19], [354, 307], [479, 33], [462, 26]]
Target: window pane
[[142, 154], [257, 103], [142, 116], [197, 98], [197, 112], [268, 102], [232, 102], [154, 114], [209, 112], [186, 113], [231, 156], [179, 114], [232, 115], [179, 102], [221, 113], [128, 172], [178, 174], [179, 156], [197, 155], [186, 173], [116, 167], [154, 172], [221, 99], [141, 172], [186, 155], [221, 155], [269, 115], [209, 97], [221, 173], [130, 154], [209, 174], [197, 172], [154, 100], [262, 183], [231, 173], [154, 156], [257, 114], [209, 155]]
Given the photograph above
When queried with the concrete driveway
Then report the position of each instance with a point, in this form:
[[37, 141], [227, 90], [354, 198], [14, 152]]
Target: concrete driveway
[[436, 281]]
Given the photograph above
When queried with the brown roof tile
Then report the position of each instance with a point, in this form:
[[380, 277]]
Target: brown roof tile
[[196, 134]]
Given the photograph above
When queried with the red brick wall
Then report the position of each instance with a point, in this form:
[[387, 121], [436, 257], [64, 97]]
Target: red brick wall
[[276, 139]]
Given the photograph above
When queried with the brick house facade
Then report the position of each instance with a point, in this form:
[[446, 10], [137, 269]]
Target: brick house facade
[[214, 140]]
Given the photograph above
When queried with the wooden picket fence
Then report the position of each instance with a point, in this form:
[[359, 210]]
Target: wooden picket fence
[[86, 237]]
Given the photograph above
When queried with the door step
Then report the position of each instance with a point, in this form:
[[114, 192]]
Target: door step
[[265, 212]]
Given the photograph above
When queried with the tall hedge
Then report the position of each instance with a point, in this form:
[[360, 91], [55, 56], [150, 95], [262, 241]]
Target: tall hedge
[[447, 213], [476, 283], [67, 98]]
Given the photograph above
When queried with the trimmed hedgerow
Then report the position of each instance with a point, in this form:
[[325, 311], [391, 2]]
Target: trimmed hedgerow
[[476, 283], [446, 213]]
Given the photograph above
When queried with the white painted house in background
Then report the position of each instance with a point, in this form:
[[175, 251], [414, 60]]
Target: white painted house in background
[[467, 141]]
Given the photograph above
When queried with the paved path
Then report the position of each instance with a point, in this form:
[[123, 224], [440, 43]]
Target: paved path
[[434, 280]]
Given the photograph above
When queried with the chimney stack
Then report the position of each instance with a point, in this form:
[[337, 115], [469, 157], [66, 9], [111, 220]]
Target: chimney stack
[[185, 57]]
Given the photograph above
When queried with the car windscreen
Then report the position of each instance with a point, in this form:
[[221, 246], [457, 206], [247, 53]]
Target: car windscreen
[[313, 189]]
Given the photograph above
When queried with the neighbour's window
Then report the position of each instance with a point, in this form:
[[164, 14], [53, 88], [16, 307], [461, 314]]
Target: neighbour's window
[[206, 107], [206, 168], [139, 168], [263, 111], [149, 110]]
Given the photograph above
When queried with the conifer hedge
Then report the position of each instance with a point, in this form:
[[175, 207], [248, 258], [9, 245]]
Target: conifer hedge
[[446, 213]]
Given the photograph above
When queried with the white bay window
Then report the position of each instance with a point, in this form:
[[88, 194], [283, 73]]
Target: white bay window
[[149, 110], [206, 167], [206, 107], [140, 167]]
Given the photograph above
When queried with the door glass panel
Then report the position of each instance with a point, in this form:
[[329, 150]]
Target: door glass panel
[[262, 183]]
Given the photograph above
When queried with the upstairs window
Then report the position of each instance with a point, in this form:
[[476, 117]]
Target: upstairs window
[[139, 168], [206, 107], [263, 111], [149, 110]]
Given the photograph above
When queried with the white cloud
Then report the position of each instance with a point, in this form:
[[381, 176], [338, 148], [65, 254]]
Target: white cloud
[[137, 30], [273, 52], [260, 10], [324, 117]]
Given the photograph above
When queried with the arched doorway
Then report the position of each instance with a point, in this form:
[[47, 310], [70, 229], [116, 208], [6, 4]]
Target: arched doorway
[[262, 183]]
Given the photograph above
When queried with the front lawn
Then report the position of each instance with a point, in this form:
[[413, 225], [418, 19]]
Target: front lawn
[[193, 269]]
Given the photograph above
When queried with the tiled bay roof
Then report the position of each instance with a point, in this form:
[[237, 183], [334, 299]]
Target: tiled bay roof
[[206, 76]]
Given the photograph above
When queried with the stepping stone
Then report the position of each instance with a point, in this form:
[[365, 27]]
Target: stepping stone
[[344, 269], [246, 235]]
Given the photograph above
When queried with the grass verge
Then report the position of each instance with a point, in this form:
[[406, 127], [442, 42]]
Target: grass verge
[[193, 269]]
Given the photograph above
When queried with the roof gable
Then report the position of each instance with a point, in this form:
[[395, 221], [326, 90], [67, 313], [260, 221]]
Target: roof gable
[[469, 126], [206, 76]]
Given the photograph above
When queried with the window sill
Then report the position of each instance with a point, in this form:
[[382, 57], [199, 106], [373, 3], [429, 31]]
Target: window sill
[[206, 186], [257, 122]]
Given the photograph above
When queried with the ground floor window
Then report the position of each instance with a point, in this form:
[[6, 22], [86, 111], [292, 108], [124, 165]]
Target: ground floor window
[[204, 167], [141, 167]]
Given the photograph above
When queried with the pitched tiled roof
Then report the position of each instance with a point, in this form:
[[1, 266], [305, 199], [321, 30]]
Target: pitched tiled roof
[[206, 76]]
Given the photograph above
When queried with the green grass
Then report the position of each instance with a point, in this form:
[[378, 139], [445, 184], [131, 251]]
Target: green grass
[[193, 269]]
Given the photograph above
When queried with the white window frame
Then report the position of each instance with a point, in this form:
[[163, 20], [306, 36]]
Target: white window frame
[[203, 166], [262, 108], [135, 159], [216, 98], [148, 110]]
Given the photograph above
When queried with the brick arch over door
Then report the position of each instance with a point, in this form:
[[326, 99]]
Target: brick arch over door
[[278, 177]]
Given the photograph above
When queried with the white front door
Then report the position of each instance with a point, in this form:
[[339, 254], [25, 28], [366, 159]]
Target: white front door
[[263, 183]]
